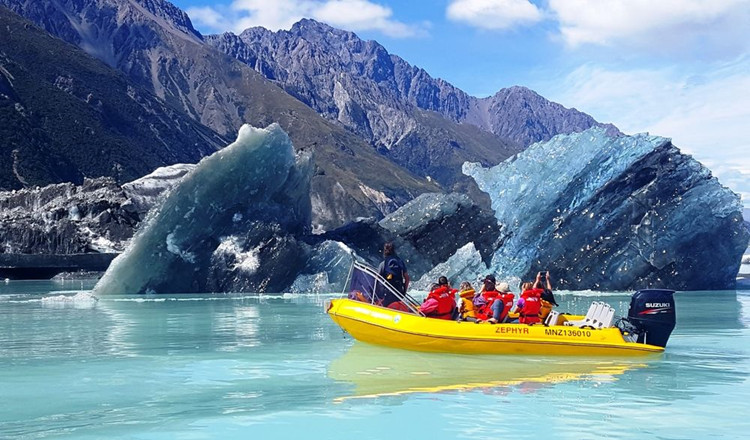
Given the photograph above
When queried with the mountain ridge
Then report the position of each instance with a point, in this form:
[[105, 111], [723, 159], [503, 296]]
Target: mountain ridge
[[66, 116], [352, 180], [289, 58]]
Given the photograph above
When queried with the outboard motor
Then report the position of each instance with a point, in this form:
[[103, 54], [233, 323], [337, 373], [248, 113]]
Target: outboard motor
[[652, 312]]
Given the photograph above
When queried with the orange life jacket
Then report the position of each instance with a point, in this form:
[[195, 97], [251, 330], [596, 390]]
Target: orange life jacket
[[467, 304], [546, 307]]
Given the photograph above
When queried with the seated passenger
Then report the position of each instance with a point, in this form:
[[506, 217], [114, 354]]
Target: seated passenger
[[502, 304], [547, 298], [466, 309], [529, 304], [487, 296], [441, 302]]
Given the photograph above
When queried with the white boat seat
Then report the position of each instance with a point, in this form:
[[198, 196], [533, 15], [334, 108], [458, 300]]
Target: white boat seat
[[592, 314], [606, 317], [553, 318], [600, 315]]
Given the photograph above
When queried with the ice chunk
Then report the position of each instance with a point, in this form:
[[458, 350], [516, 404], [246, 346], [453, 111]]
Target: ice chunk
[[81, 300], [618, 213], [259, 177], [326, 270], [465, 265], [231, 248], [422, 210], [148, 191]]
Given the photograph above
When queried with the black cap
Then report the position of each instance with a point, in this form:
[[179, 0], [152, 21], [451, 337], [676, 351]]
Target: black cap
[[442, 280], [490, 278]]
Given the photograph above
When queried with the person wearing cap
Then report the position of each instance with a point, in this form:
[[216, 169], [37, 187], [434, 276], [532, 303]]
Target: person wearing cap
[[441, 301], [486, 297], [502, 304]]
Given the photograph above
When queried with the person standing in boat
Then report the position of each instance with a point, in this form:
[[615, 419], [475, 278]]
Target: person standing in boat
[[393, 269], [441, 302]]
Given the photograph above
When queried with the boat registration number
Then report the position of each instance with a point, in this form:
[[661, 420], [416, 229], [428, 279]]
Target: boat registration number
[[575, 332]]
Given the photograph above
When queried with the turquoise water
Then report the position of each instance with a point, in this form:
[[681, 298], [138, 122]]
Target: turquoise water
[[210, 367]]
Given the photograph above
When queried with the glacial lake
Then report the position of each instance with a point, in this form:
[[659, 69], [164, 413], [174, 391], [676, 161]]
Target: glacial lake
[[276, 367]]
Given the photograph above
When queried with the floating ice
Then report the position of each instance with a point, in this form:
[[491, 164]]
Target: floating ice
[[326, 270], [465, 265], [149, 190], [81, 300], [257, 177], [616, 213]]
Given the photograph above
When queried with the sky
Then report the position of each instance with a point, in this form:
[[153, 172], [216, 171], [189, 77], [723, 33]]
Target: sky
[[673, 68]]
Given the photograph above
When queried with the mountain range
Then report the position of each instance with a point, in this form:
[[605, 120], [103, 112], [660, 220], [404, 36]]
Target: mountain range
[[382, 131], [65, 116]]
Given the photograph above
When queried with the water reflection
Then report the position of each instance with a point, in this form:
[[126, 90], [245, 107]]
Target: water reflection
[[183, 323], [377, 371]]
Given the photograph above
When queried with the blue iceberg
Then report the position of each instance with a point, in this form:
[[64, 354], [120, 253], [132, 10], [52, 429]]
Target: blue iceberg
[[465, 265], [614, 213], [229, 224]]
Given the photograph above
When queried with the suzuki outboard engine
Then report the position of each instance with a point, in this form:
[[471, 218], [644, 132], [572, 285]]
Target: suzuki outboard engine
[[652, 313]]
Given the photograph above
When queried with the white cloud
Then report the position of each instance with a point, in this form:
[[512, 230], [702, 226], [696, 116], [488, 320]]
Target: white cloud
[[362, 15], [207, 16], [494, 14], [706, 114], [354, 15], [686, 24]]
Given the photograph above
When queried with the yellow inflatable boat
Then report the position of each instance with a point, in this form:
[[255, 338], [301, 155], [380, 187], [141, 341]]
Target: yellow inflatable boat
[[646, 329]]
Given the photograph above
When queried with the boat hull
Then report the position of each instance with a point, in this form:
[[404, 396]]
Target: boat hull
[[391, 328]]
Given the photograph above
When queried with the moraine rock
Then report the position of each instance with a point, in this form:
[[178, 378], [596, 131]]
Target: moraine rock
[[66, 219]]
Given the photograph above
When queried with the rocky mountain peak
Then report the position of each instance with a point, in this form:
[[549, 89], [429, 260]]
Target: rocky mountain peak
[[170, 13], [313, 30], [361, 85]]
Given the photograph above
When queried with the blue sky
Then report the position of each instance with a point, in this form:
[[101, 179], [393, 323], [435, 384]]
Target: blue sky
[[675, 68]]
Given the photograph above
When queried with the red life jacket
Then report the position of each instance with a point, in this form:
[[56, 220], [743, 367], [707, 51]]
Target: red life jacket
[[484, 311], [507, 299], [446, 299], [531, 306]]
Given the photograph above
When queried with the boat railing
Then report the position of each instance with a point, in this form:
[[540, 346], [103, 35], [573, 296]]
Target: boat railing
[[364, 283]]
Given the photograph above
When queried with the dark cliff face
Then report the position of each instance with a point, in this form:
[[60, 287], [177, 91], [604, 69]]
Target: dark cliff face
[[159, 51], [65, 115]]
